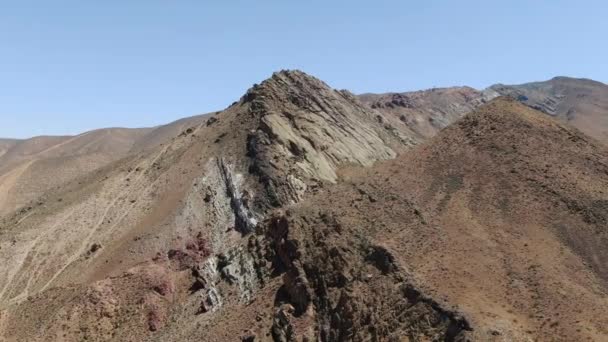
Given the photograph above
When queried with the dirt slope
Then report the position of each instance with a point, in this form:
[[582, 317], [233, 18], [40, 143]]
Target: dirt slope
[[29, 168], [162, 134], [6, 144]]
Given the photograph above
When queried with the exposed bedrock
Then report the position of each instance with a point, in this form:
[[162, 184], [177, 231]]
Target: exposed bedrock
[[337, 286]]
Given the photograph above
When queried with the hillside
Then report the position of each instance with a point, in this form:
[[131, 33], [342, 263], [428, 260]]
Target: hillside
[[426, 112], [6, 144], [300, 213], [503, 215], [581, 103], [29, 168]]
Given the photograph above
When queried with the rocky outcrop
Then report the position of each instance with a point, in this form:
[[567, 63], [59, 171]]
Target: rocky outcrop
[[306, 131], [244, 220], [339, 287], [545, 102]]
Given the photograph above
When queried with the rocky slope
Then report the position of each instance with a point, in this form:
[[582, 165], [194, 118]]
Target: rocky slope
[[581, 103], [503, 215], [301, 214], [426, 112], [161, 245], [32, 167]]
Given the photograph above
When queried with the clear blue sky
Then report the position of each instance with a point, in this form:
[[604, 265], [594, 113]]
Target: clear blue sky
[[71, 66]]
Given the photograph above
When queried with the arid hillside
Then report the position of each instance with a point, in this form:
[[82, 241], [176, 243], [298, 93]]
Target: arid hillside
[[6, 144], [30, 168], [503, 215], [581, 103], [300, 213]]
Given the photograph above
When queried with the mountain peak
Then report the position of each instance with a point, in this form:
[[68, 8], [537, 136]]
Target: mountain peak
[[575, 79], [304, 129], [286, 81]]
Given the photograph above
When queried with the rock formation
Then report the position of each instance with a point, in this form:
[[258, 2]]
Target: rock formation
[[300, 213]]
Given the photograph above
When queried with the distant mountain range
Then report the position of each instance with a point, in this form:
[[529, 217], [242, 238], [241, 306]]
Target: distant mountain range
[[582, 103]]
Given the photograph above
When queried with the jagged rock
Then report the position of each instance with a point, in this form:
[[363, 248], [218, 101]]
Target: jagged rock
[[347, 305], [238, 268], [306, 130], [282, 329], [211, 120], [245, 221], [211, 301], [421, 114]]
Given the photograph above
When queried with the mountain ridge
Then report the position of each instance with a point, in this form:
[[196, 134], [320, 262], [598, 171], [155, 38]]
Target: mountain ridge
[[300, 212], [580, 102], [174, 215], [30, 167]]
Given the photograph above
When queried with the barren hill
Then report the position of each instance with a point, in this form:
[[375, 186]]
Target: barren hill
[[29, 168], [299, 213], [581, 103]]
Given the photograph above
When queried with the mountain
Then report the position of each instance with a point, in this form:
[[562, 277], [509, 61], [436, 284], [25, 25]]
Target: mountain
[[160, 244], [301, 213], [582, 103], [30, 168], [426, 112], [503, 216]]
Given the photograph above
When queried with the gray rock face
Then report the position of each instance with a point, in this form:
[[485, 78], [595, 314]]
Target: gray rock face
[[306, 130], [536, 96], [245, 221]]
